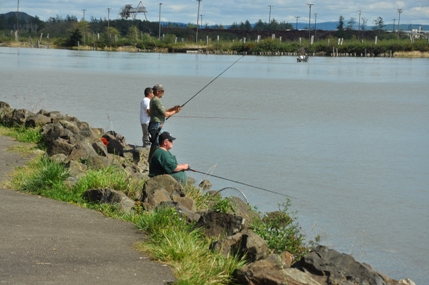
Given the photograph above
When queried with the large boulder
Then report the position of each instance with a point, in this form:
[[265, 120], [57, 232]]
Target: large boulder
[[151, 195], [272, 271], [216, 224], [17, 117], [328, 266], [109, 196], [4, 109], [246, 243], [34, 120]]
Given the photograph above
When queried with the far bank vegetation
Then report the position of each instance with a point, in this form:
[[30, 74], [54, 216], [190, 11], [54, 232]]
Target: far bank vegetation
[[275, 38]]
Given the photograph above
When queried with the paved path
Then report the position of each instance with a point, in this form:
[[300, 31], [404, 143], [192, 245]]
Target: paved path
[[43, 241]]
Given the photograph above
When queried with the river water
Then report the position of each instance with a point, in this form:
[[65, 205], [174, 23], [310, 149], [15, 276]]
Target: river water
[[347, 138]]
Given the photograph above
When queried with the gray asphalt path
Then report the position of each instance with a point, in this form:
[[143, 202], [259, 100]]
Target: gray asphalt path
[[43, 241]]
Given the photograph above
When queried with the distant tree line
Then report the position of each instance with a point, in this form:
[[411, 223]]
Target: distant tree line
[[68, 31]]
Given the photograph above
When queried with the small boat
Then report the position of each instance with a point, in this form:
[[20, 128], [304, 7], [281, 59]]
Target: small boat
[[302, 58]]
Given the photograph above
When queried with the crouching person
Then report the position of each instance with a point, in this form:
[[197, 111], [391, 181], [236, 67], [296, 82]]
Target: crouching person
[[164, 162]]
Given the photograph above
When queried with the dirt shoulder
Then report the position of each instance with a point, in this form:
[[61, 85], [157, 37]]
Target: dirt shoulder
[[47, 241]]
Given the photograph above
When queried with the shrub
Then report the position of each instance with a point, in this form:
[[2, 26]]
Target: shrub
[[281, 232]]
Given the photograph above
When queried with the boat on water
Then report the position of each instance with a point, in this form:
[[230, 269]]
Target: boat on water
[[302, 58]]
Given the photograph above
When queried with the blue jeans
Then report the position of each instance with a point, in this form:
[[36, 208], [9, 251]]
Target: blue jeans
[[154, 131]]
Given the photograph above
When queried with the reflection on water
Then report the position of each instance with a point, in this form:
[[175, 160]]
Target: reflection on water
[[346, 136]]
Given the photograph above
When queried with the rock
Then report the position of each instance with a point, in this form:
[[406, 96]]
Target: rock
[[215, 224], [99, 148], [272, 271], [165, 182], [243, 210], [205, 185], [109, 196], [190, 216], [330, 266], [5, 109], [246, 243], [287, 258], [406, 281], [158, 197], [87, 149], [186, 202], [60, 146], [34, 120], [17, 117]]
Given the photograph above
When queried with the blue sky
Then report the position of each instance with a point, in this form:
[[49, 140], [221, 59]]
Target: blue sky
[[226, 12]]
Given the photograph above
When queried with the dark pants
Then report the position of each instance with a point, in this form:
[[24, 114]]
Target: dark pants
[[154, 131]]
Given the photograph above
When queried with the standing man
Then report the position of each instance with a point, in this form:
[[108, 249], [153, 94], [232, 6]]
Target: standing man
[[158, 113], [145, 115], [163, 162]]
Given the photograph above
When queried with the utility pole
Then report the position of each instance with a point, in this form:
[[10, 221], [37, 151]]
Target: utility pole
[[83, 10], [393, 26], [198, 17], [17, 21], [296, 26], [309, 19], [399, 18], [159, 29], [108, 18], [315, 16], [201, 21], [359, 11], [269, 15]]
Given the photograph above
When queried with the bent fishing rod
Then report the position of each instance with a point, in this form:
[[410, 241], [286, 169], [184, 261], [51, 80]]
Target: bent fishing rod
[[256, 187], [209, 83]]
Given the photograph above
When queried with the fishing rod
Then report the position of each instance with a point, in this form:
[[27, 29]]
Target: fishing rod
[[193, 170], [212, 81]]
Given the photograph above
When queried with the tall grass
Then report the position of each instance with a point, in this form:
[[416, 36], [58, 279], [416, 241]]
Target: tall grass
[[173, 241], [23, 134], [44, 177], [112, 177]]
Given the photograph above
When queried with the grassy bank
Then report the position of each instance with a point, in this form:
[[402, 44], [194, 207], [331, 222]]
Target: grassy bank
[[171, 239], [395, 47]]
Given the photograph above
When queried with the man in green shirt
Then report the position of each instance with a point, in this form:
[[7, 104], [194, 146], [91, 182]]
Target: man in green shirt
[[158, 113], [163, 162]]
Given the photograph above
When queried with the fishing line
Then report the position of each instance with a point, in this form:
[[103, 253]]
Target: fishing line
[[238, 182], [209, 83], [212, 81]]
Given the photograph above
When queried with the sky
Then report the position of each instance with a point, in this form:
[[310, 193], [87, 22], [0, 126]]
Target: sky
[[226, 12]]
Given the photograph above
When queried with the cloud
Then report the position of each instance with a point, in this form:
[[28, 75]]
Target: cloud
[[227, 12]]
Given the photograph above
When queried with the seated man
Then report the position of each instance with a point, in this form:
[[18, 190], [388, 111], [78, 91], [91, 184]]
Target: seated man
[[163, 162]]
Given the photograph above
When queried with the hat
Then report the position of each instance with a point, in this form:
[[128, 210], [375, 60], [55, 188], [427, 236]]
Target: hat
[[158, 87], [165, 136]]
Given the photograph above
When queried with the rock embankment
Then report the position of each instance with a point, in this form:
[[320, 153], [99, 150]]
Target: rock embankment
[[78, 145]]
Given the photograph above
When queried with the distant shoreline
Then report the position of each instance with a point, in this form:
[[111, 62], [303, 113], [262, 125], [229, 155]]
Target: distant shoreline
[[205, 50]]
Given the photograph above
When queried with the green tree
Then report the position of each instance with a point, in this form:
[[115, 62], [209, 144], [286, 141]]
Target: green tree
[[247, 26], [75, 38], [274, 25], [133, 33], [351, 23], [259, 26], [379, 24], [340, 26], [340, 33]]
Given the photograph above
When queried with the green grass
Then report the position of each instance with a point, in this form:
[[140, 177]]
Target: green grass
[[23, 134], [173, 241], [111, 177]]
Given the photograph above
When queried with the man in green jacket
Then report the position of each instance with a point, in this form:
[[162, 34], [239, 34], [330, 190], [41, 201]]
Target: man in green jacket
[[164, 162], [158, 113]]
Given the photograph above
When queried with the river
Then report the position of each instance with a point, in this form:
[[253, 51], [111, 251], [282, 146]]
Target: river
[[347, 138]]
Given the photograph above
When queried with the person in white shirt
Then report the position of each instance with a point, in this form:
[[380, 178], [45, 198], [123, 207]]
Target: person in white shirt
[[145, 115]]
